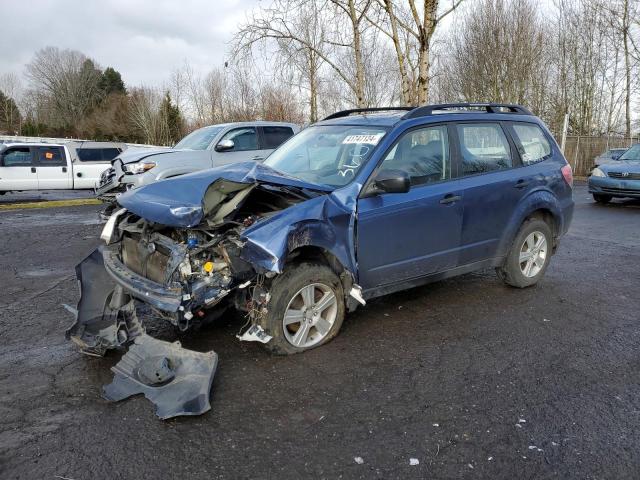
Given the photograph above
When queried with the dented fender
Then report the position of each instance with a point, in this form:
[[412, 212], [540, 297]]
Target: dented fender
[[326, 222]]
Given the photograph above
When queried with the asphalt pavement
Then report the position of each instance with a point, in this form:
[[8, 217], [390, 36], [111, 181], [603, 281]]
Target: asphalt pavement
[[464, 378]]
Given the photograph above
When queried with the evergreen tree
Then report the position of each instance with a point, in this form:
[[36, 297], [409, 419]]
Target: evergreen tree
[[111, 82], [10, 118], [170, 114]]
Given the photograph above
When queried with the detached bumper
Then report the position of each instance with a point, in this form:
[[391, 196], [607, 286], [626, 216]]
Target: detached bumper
[[160, 296], [614, 187]]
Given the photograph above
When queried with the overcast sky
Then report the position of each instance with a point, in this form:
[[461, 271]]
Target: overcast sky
[[143, 39]]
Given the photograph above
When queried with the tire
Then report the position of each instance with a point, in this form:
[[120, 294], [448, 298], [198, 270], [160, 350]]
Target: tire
[[528, 273], [601, 198], [286, 297]]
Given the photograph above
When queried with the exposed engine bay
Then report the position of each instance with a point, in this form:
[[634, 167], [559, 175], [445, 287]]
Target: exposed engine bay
[[182, 260]]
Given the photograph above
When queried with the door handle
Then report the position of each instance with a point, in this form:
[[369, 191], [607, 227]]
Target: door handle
[[33, 169], [450, 198], [64, 169], [522, 183], [256, 158]]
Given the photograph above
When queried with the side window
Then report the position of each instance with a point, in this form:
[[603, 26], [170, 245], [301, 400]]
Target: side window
[[532, 143], [243, 139], [97, 154], [17, 157], [51, 157], [422, 153], [274, 136], [484, 148]]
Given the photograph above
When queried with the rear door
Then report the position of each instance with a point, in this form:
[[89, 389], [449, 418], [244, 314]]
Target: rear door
[[246, 146], [271, 137], [18, 170], [402, 236], [53, 168], [493, 185]]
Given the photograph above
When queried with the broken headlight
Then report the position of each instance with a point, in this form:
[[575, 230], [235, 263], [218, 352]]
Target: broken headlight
[[139, 167]]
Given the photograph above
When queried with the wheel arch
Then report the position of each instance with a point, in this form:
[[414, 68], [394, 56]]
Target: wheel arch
[[324, 256], [540, 204]]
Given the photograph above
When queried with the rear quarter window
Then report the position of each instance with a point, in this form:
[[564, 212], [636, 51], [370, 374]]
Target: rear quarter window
[[275, 136], [532, 143], [97, 154]]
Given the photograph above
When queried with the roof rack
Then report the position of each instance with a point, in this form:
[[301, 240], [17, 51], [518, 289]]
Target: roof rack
[[461, 107], [346, 113]]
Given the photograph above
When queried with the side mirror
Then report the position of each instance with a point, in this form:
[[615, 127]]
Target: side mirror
[[615, 157], [225, 146], [393, 181]]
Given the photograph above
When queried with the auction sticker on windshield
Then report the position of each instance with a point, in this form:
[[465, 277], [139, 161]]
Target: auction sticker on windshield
[[368, 139]]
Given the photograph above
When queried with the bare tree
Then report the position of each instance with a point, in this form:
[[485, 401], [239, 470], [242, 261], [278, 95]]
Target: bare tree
[[411, 27], [67, 81], [317, 30]]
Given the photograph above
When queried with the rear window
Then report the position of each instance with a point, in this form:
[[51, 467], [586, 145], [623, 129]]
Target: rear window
[[275, 136], [532, 143], [97, 154]]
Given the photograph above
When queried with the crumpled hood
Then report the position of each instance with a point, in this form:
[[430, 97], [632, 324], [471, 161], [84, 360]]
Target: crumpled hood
[[179, 201], [133, 155]]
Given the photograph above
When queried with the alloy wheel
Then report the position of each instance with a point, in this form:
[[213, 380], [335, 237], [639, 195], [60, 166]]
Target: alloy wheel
[[309, 316], [533, 254]]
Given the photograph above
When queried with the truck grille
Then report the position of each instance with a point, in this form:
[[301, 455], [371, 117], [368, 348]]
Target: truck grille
[[620, 191], [625, 175], [107, 176]]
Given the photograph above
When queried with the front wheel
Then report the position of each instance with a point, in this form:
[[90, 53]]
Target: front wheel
[[601, 198], [529, 256], [305, 310]]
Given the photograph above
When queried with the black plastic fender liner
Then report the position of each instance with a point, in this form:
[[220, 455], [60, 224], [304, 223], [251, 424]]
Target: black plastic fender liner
[[97, 326], [176, 380]]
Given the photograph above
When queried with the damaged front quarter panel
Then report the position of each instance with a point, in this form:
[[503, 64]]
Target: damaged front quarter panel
[[182, 216]]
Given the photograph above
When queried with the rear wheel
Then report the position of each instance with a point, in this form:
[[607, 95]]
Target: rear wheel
[[306, 308], [601, 198], [529, 256]]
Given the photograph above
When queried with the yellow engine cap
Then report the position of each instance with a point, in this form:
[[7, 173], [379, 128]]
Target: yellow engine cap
[[208, 267]]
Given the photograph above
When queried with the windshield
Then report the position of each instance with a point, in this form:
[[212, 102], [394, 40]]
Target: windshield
[[198, 139], [632, 154], [330, 154]]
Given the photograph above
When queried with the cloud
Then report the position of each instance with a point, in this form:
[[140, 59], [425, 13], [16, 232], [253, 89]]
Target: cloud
[[143, 39]]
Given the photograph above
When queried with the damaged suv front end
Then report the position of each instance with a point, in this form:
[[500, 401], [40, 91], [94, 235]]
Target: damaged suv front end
[[278, 247]]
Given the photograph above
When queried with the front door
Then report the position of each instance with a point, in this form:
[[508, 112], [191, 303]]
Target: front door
[[53, 172], [402, 236], [18, 170], [245, 147]]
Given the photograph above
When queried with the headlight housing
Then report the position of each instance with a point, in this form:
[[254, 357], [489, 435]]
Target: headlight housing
[[596, 172], [140, 167]]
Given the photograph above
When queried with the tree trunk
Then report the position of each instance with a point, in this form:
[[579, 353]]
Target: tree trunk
[[627, 67], [357, 50], [313, 87], [426, 30], [402, 69]]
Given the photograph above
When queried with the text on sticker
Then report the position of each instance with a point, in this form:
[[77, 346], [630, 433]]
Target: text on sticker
[[369, 139]]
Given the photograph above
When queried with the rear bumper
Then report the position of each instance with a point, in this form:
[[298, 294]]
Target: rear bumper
[[614, 187], [168, 299]]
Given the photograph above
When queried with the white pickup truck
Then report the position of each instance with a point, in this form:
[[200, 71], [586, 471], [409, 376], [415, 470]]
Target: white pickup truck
[[49, 166]]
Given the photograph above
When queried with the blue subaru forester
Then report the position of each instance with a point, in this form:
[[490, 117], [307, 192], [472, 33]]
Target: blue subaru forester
[[361, 204]]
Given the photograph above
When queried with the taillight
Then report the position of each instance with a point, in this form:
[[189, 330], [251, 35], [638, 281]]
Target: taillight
[[567, 173]]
